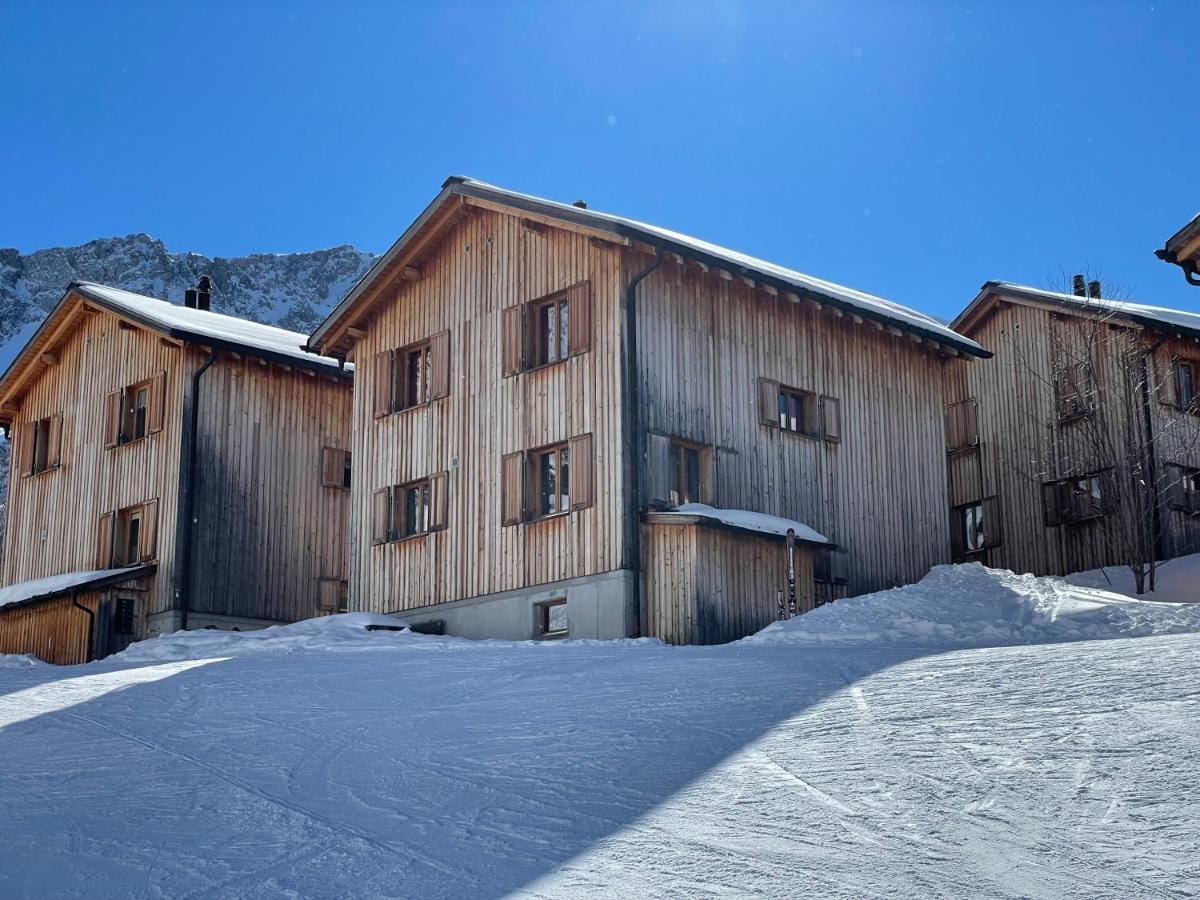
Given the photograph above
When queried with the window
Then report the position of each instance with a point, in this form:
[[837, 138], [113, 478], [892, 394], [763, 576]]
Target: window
[[550, 619], [1075, 394], [135, 412], [1080, 498], [552, 469], [412, 376], [547, 482], [799, 411], [123, 616], [547, 330], [1183, 489], [832, 566], [685, 473], [1185, 385], [43, 445], [409, 510], [975, 527], [332, 596], [335, 468], [128, 536]]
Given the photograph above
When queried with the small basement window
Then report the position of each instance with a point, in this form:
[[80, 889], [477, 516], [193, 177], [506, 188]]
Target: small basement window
[[551, 619]]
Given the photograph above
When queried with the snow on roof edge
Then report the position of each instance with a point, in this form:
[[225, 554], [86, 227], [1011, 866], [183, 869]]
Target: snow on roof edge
[[1176, 318], [56, 585], [746, 520]]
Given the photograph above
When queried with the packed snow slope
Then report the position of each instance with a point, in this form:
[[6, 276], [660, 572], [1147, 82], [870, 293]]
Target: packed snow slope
[[980, 735]]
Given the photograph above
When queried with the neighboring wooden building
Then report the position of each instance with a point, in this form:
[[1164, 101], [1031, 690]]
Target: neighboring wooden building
[[1082, 431], [536, 380], [1183, 249], [240, 522]]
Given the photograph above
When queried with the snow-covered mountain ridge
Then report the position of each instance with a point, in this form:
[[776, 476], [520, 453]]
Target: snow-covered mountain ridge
[[292, 290]]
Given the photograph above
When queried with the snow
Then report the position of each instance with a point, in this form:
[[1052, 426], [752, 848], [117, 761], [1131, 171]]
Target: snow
[[56, 584], [364, 764], [205, 323], [1176, 317], [746, 520], [1176, 580], [858, 299]]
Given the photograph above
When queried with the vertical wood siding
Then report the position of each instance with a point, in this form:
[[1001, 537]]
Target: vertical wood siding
[[881, 491], [52, 630], [487, 263]]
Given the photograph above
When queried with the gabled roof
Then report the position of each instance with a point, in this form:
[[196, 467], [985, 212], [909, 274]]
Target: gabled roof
[[195, 326], [69, 582], [1183, 249], [1156, 318], [628, 231]]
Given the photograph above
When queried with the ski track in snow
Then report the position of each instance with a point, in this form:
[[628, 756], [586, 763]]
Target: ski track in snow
[[1055, 770]]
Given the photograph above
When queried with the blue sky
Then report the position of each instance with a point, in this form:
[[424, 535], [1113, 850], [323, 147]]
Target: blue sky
[[910, 149]]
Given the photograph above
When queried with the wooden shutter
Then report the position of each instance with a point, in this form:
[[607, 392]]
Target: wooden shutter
[[439, 365], [158, 400], [966, 478], [329, 592], [1167, 389], [512, 488], [657, 491], [958, 528], [26, 449], [992, 529], [382, 377], [582, 485], [1052, 503], [439, 501], [1110, 501], [54, 450], [962, 429], [579, 318], [512, 344], [1174, 491], [149, 535], [768, 402], [112, 418], [381, 511], [831, 418], [104, 540], [333, 462]]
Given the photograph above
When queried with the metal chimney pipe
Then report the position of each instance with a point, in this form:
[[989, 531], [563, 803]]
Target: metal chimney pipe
[[189, 298], [204, 293]]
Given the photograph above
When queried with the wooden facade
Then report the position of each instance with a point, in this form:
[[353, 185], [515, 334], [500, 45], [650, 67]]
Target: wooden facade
[[269, 535], [1033, 425], [480, 268]]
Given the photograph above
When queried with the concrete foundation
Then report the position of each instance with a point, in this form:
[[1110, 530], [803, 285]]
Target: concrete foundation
[[168, 622], [599, 607]]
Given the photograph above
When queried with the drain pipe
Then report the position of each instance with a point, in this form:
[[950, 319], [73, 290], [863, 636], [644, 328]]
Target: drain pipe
[[183, 588], [631, 425], [91, 636], [1151, 457]]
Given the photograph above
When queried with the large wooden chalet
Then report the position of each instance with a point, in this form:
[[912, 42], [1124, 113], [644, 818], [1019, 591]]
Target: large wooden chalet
[[568, 422], [172, 468], [1081, 436]]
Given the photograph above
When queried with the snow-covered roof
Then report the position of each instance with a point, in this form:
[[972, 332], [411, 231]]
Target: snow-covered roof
[[60, 585], [1149, 316], [201, 325], [867, 305], [1176, 241], [743, 520]]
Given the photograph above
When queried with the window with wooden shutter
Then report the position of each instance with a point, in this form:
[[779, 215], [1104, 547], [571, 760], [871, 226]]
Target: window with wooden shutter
[[439, 377], [975, 527], [381, 511], [1183, 488], [381, 370], [158, 402], [512, 488], [579, 302], [658, 470], [768, 402], [113, 404], [439, 501], [335, 467], [511, 340], [583, 486], [1052, 504], [411, 509], [104, 541], [831, 418], [1080, 498]]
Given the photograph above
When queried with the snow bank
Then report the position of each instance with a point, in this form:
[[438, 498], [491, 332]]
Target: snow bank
[[347, 631], [18, 661], [970, 605], [1178, 580]]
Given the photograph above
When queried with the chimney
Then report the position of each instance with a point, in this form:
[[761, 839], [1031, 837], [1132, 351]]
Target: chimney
[[204, 293], [580, 204], [189, 298], [1077, 286], [1094, 290]]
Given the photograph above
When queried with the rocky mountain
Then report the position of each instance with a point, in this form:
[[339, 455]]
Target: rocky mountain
[[293, 290]]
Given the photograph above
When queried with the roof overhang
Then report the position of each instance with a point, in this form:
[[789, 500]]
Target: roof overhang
[[1183, 249], [668, 517], [89, 581], [334, 336]]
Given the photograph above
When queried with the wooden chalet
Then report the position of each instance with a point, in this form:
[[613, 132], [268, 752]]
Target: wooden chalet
[[171, 468], [1183, 249], [1083, 428], [565, 422]]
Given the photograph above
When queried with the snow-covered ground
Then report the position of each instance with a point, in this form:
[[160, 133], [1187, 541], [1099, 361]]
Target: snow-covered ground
[[980, 735]]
